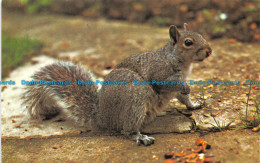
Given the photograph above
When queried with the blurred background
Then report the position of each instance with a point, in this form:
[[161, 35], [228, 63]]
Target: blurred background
[[127, 26], [217, 18]]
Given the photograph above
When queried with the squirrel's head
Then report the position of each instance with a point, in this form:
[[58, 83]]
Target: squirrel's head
[[190, 45]]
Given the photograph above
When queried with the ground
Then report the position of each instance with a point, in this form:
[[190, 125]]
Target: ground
[[100, 45], [226, 146]]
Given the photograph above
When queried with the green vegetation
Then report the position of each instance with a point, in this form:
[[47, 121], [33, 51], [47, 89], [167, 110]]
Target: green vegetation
[[33, 6], [219, 126], [17, 50], [255, 119], [218, 25], [251, 120], [160, 21]]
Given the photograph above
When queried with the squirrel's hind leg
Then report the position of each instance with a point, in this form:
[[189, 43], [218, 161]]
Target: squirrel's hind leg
[[127, 108], [140, 114]]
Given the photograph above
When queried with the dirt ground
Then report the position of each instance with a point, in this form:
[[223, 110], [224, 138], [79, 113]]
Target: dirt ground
[[101, 45], [226, 146]]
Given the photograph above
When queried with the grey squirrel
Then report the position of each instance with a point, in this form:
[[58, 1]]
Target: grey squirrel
[[122, 108]]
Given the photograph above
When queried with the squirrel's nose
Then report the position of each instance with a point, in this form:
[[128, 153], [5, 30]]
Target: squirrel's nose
[[208, 51]]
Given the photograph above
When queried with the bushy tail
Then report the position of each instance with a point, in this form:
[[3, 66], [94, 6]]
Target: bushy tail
[[62, 93]]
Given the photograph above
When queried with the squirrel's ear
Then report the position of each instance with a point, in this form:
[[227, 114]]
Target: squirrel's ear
[[186, 27], [174, 33]]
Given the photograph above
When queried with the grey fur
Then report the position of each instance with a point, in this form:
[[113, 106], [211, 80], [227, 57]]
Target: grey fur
[[44, 101], [123, 108]]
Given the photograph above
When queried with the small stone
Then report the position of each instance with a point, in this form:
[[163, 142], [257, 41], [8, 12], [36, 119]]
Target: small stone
[[209, 100], [171, 122]]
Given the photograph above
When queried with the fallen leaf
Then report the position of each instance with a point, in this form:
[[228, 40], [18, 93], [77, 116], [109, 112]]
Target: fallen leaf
[[3, 87], [253, 26], [232, 40], [236, 61], [256, 36], [79, 131], [208, 160], [169, 161], [199, 142], [182, 153], [65, 44], [255, 129], [199, 150], [192, 155]]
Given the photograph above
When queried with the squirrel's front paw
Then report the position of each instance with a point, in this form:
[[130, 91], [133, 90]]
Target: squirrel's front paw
[[186, 89], [196, 105], [143, 139]]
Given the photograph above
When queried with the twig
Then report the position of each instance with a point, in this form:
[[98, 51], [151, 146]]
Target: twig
[[247, 102]]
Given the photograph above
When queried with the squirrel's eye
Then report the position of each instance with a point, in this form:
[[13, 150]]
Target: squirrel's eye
[[188, 42]]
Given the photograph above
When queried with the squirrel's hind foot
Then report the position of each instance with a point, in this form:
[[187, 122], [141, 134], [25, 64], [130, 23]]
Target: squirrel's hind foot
[[143, 139]]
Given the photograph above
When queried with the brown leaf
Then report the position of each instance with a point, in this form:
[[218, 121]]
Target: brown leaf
[[65, 44], [208, 160], [255, 129], [256, 36], [232, 40], [79, 131], [182, 153], [253, 26], [199, 142], [169, 161], [3, 87], [199, 150]]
